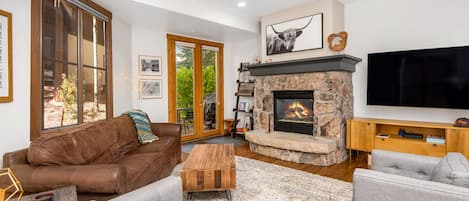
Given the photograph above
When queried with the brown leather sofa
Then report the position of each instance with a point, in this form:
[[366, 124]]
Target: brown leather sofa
[[100, 157]]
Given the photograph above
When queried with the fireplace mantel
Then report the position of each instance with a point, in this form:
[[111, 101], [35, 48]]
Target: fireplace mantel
[[341, 62]]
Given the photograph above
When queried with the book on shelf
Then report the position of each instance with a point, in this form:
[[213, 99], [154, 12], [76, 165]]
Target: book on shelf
[[383, 135], [247, 122], [242, 130], [435, 139], [245, 89]]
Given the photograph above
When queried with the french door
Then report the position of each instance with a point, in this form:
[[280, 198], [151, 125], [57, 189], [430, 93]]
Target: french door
[[195, 84]]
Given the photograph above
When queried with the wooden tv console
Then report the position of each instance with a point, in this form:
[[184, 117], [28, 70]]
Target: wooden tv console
[[361, 136]]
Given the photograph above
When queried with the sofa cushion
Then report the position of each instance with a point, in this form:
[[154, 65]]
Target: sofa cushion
[[84, 144], [404, 164], [99, 178], [127, 134], [452, 169], [145, 168], [143, 126], [161, 145]]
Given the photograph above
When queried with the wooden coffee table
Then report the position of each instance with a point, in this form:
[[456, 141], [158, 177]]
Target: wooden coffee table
[[209, 167]]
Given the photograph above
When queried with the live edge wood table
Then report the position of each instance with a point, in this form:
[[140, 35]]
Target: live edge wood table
[[209, 167]]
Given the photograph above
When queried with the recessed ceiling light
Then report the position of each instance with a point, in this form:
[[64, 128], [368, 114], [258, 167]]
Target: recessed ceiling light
[[242, 4]]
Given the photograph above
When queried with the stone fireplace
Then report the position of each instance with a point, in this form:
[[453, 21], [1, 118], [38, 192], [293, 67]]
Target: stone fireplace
[[324, 101], [293, 111]]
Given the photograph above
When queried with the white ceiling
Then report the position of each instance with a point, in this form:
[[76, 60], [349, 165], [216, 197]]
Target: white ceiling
[[226, 11], [219, 20]]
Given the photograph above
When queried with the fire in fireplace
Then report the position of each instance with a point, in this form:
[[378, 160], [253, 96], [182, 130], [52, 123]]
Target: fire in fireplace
[[294, 111]]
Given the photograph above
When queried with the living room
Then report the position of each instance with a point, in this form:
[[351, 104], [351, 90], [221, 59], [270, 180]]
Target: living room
[[135, 33]]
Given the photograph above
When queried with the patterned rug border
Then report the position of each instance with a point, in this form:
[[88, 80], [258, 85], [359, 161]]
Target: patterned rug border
[[262, 181], [281, 166]]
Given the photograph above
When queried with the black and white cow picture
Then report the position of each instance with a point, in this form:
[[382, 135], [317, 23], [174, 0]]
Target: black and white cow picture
[[294, 35]]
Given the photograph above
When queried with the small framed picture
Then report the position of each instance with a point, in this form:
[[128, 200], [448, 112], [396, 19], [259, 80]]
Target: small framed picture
[[149, 65], [150, 88], [6, 83], [242, 106]]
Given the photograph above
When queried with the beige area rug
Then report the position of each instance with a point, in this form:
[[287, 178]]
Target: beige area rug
[[260, 181]]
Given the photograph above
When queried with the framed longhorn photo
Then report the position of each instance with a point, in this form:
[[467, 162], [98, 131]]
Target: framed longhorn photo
[[295, 35]]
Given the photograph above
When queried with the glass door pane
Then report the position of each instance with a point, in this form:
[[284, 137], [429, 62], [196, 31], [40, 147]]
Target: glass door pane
[[94, 41], [60, 64], [94, 94], [209, 77], [185, 88], [94, 71]]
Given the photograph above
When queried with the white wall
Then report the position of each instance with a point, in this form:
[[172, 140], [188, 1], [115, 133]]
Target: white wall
[[152, 41], [333, 22], [122, 66], [236, 53], [128, 43], [148, 41], [391, 25], [14, 116]]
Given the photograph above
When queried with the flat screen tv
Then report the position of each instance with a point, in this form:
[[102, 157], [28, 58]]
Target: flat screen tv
[[437, 78]]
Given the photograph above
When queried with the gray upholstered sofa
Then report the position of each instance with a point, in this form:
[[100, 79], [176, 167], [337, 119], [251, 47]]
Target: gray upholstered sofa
[[167, 189], [407, 177]]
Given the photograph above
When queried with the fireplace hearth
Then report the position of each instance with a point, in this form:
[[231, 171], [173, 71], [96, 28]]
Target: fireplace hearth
[[294, 111]]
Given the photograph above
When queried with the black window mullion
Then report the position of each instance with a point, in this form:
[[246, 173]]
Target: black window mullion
[[94, 67], [60, 61], [106, 66], [80, 68], [105, 45], [41, 62]]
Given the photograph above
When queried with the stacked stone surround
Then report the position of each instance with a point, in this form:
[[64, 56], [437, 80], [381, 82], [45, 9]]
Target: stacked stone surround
[[333, 104]]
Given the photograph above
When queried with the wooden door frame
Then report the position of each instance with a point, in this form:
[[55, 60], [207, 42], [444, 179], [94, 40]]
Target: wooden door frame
[[172, 99]]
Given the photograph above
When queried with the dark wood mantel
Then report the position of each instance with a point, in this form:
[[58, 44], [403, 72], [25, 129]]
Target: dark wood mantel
[[341, 62]]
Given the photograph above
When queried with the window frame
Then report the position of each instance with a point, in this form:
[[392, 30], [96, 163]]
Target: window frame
[[36, 103]]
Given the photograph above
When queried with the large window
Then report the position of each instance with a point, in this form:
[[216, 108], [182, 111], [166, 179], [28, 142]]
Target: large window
[[70, 64]]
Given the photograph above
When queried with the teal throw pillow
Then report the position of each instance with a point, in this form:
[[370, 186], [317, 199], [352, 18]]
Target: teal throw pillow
[[142, 124]]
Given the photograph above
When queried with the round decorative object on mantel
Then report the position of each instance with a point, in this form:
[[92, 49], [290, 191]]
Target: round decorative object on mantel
[[462, 122], [337, 41]]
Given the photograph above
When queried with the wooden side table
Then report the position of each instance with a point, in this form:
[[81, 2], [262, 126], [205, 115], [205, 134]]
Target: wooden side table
[[229, 123], [62, 194]]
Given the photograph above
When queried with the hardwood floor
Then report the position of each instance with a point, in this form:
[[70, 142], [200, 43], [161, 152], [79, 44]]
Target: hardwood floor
[[342, 171]]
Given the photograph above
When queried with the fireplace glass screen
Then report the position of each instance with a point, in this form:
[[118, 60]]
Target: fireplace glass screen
[[295, 110]]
